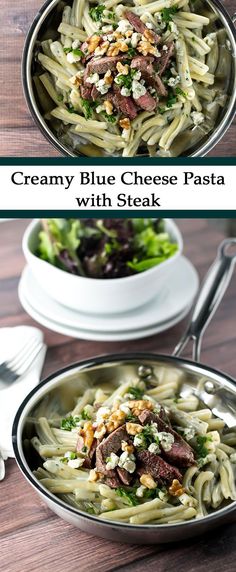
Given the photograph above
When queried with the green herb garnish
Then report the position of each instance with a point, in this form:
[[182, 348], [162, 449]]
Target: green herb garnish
[[179, 91], [84, 415], [126, 80], [96, 13], [172, 99], [147, 436], [88, 107], [68, 423], [72, 109], [109, 118], [168, 13], [131, 52], [136, 392], [128, 495], [201, 449], [67, 50], [78, 52]]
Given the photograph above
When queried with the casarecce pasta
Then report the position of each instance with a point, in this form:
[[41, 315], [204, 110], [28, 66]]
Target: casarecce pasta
[[139, 78], [136, 452]]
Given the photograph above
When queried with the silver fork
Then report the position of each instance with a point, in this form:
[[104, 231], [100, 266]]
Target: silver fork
[[11, 370]]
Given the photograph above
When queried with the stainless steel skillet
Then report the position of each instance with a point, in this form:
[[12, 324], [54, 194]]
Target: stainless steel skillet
[[218, 386]]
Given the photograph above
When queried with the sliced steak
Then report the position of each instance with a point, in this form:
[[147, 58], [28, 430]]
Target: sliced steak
[[102, 65], [159, 86], [123, 104], [161, 471], [181, 454], [79, 444], [146, 102], [164, 60], [85, 91], [95, 94], [110, 444], [124, 476], [143, 64], [140, 27], [113, 481]]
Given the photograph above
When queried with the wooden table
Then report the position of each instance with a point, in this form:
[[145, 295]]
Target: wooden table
[[33, 539], [19, 136]]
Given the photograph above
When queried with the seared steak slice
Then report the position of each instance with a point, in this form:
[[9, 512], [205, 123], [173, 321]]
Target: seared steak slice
[[164, 60], [181, 454], [143, 63], [124, 476], [95, 94], [157, 468], [113, 481], [146, 102], [159, 86], [102, 65], [123, 104], [85, 91], [110, 444], [140, 27]]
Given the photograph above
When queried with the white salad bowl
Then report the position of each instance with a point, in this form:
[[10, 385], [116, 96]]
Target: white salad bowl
[[92, 295]]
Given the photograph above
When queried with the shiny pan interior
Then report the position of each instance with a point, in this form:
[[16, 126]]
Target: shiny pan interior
[[115, 369], [45, 27]]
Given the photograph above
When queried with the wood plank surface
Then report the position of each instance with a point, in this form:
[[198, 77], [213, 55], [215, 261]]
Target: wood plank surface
[[32, 538], [19, 136]]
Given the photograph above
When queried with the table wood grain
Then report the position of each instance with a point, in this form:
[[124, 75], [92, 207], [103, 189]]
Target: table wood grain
[[19, 136], [32, 538]]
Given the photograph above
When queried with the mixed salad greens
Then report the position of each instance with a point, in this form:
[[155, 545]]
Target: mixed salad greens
[[104, 248]]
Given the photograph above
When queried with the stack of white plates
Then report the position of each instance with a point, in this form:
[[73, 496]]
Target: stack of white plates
[[161, 313]]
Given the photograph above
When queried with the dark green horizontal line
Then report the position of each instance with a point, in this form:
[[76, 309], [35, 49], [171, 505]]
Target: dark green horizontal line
[[96, 161], [117, 213]]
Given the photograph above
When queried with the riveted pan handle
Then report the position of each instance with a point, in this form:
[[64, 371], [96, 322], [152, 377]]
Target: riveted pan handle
[[209, 297]]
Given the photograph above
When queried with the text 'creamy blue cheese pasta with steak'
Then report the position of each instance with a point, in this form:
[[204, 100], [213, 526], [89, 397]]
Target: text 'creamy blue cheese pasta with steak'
[[138, 78], [136, 453]]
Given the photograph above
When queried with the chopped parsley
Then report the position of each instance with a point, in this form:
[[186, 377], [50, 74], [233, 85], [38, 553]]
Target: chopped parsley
[[88, 107], [161, 110], [84, 415], [128, 495], [168, 13], [147, 437], [126, 80], [67, 50], [201, 449], [131, 52], [179, 91], [69, 458], [72, 109], [172, 99], [96, 13], [69, 423], [136, 392], [109, 118], [131, 418], [60, 97], [78, 52]]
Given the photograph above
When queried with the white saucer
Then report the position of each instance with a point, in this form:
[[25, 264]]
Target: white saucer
[[156, 316], [178, 295]]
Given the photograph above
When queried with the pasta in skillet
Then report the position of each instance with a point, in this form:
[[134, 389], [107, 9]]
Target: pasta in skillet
[[144, 77], [137, 453]]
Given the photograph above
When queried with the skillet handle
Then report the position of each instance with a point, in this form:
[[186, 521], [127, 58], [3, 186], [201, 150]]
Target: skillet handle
[[211, 293]]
